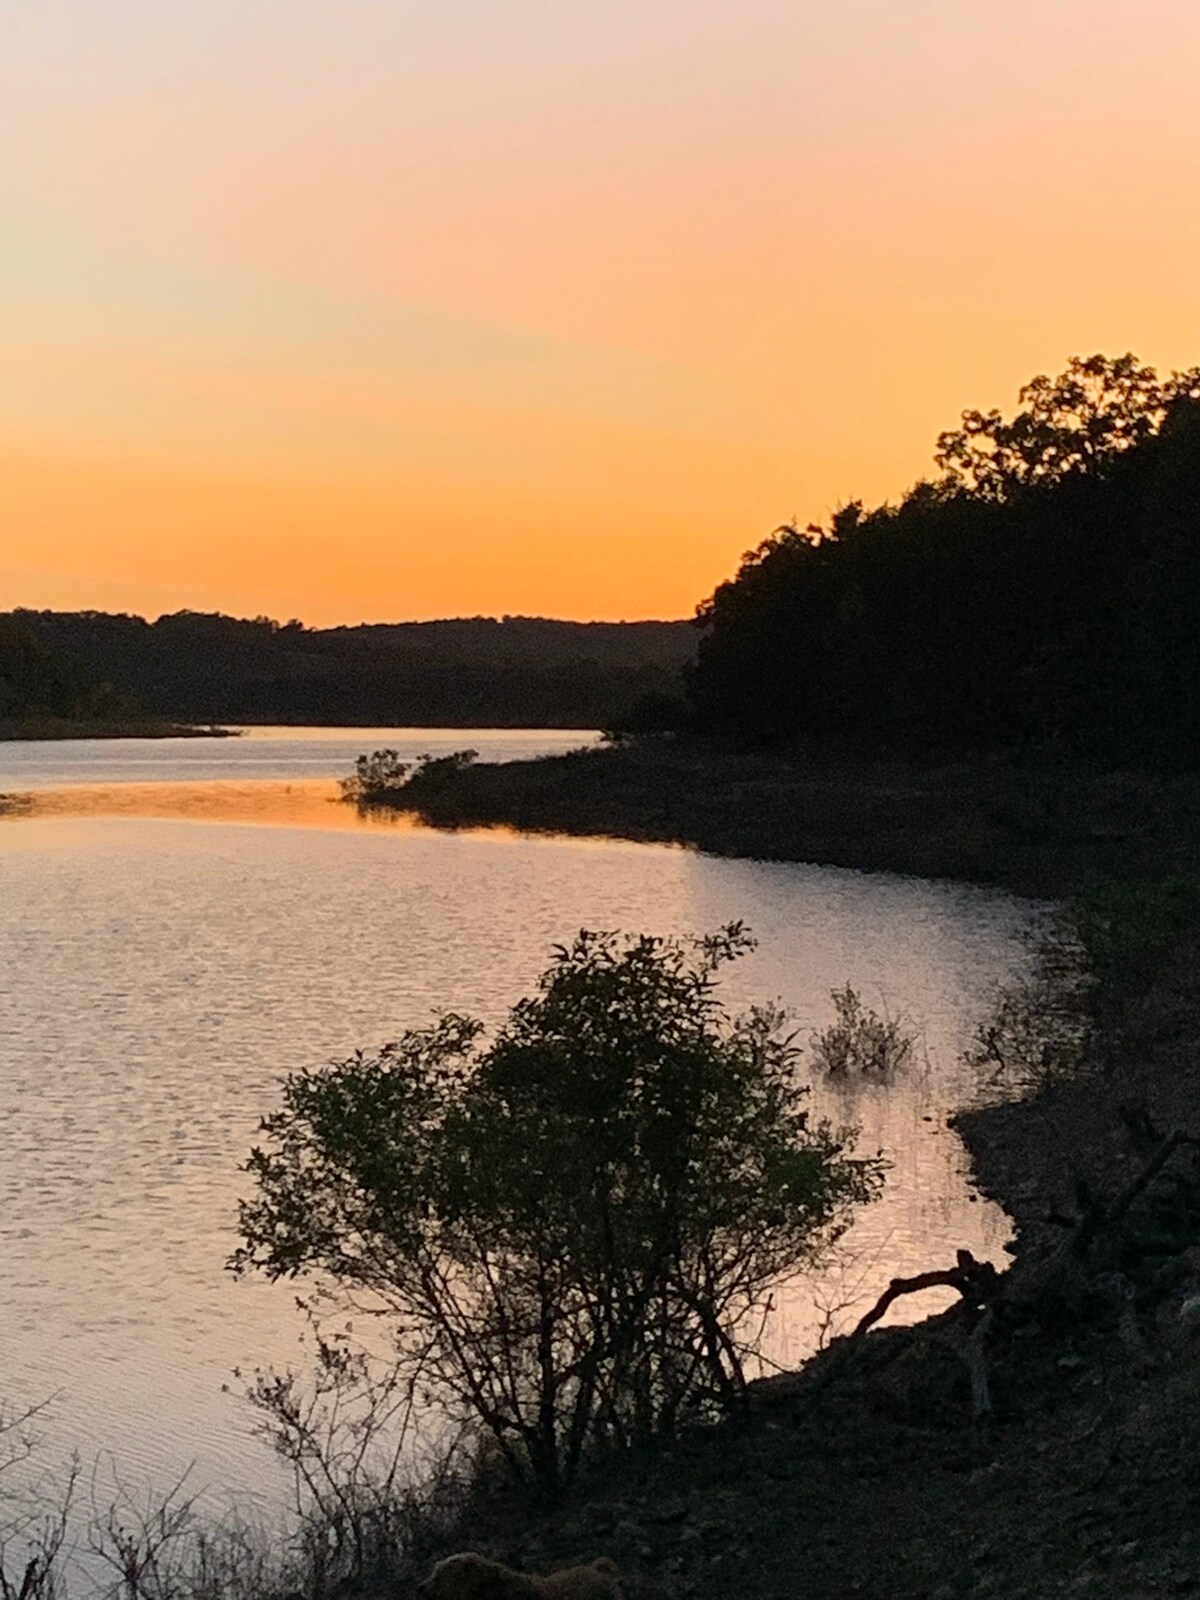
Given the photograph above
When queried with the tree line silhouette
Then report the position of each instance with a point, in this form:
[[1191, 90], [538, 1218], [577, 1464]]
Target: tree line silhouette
[[470, 672], [39, 682], [1043, 589]]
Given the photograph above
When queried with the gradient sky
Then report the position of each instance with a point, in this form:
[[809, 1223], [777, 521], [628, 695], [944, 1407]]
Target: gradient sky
[[371, 309]]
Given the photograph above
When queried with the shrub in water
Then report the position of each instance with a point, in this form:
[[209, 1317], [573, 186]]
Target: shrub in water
[[570, 1229]]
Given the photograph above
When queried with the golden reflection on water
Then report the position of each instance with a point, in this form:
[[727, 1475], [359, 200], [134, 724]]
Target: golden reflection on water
[[265, 802], [296, 803], [159, 978]]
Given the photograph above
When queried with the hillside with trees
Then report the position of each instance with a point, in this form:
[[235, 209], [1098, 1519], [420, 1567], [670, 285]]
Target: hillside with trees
[[471, 672], [37, 683], [1043, 589]]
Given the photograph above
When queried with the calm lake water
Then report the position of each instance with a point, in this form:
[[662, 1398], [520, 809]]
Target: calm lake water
[[183, 922]]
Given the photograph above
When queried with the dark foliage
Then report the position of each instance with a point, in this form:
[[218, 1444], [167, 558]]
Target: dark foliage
[[1045, 590], [36, 682], [573, 1231], [473, 672]]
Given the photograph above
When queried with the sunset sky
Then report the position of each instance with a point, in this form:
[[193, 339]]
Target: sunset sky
[[376, 310]]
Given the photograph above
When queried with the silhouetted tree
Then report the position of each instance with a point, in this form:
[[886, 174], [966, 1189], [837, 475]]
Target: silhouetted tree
[[468, 672], [36, 682], [571, 1228], [1046, 588], [1077, 422]]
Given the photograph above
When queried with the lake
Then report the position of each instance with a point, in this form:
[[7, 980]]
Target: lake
[[183, 922]]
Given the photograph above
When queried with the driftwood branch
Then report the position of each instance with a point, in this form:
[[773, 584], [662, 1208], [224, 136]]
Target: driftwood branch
[[994, 1302], [975, 1281]]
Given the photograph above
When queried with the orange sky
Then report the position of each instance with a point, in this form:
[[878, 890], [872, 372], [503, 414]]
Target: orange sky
[[367, 310]]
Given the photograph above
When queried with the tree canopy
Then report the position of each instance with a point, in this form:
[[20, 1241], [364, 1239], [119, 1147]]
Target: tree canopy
[[37, 682], [1045, 588], [462, 672], [1080, 421]]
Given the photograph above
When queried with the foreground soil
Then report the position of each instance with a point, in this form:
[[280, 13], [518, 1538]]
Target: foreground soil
[[1040, 825], [865, 1474]]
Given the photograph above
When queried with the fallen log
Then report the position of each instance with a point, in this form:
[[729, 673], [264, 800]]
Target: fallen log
[[976, 1282]]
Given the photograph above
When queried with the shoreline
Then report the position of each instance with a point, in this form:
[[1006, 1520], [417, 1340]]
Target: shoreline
[[1041, 827], [862, 1473], [50, 729]]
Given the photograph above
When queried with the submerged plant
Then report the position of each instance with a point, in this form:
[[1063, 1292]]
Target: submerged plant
[[1041, 1031], [861, 1043], [380, 773]]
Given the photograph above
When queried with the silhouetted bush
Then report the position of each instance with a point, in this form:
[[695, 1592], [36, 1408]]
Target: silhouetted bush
[[570, 1228], [379, 774], [1041, 1032], [379, 777], [861, 1043]]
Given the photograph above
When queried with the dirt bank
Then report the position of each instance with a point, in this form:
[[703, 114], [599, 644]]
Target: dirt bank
[[866, 1474], [1041, 827]]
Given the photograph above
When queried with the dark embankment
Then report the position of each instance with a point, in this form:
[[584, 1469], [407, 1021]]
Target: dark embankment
[[1041, 827], [868, 1473]]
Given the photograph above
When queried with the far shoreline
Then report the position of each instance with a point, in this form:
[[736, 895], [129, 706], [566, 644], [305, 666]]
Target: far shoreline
[[45, 730]]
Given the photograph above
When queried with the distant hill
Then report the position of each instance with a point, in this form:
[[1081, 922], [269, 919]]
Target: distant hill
[[466, 672]]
